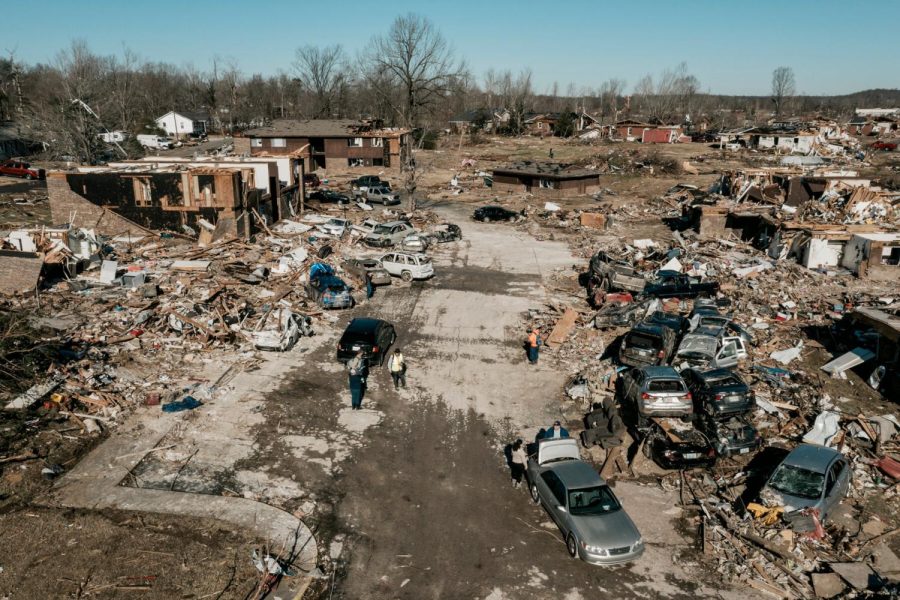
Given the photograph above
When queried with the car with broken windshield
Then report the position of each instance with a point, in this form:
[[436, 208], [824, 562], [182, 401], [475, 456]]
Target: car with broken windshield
[[593, 523], [719, 391], [810, 477], [609, 274], [707, 347]]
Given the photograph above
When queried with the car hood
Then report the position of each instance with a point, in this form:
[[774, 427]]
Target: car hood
[[771, 497], [613, 530]]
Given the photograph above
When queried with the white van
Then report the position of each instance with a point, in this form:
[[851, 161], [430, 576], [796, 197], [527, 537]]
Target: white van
[[154, 141]]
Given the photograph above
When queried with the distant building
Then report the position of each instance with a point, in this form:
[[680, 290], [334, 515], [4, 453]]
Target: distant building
[[546, 179], [652, 131], [878, 112], [182, 124], [492, 120], [544, 124], [331, 143]]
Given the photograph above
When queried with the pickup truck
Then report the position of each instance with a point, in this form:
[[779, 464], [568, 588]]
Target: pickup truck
[[383, 195], [593, 523], [362, 185], [607, 274], [672, 284]]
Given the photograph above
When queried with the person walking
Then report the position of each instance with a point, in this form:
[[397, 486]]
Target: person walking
[[370, 289], [357, 380], [534, 343], [518, 462], [397, 366]]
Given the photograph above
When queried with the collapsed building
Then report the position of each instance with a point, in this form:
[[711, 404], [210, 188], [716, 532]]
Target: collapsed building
[[133, 198], [825, 219]]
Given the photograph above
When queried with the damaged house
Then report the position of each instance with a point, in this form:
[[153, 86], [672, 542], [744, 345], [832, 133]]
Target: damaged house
[[135, 199], [784, 138], [544, 179], [331, 143], [652, 131]]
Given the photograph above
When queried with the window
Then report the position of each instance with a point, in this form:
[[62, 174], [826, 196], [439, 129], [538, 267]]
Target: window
[[205, 189], [354, 142], [256, 142], [556, 486], [545, 184], [540, 124], [378, 142], [377, 162], [628, 132], [355, 162], [142, 191], [278, 143]]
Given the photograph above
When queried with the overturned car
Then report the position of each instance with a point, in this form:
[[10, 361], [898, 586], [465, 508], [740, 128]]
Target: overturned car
[[279, 330]]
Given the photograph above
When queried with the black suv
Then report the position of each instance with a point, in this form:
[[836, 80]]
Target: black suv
[[494, 213], [719, 392], [647, 344], [371, 336]]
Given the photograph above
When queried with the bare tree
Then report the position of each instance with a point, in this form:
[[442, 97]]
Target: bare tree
[[416, 59], [610, 92], [782, 87], [323, 72]]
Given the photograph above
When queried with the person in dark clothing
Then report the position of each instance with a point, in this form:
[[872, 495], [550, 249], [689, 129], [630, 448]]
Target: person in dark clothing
[[357, 380]]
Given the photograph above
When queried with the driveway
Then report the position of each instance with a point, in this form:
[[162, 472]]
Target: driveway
[[419, 504]]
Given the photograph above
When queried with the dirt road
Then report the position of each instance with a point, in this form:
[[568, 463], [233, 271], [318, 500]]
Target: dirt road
[[412, 494]]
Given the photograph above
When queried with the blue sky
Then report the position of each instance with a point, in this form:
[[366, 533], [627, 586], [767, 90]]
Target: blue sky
[[731, 46]]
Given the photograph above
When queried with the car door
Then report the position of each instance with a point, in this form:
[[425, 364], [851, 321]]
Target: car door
[[389, 262], [555, 498], [727, 356], [836, 483]]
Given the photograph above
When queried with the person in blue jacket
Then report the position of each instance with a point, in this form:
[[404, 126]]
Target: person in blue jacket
[[556, 432]]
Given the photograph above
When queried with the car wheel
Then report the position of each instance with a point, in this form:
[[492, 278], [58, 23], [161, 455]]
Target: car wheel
[[645, 447], [28, 176], [535, 497], [572, 546], [487, 219], [406, 276]]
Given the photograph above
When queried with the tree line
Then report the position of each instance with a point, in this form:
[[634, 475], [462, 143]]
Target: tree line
[[408, 76]]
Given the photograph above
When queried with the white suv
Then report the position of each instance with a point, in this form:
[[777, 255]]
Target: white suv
[[407, 266]]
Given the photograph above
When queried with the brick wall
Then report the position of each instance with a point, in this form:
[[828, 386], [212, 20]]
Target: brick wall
[[64, 203]]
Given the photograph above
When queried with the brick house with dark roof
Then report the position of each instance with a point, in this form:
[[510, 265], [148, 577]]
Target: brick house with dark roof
[[335, 144]]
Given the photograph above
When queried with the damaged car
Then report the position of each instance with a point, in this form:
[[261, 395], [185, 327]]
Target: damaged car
[[607, 274], [414, 242], [719, 391], [810, 477], [655, 392], [731, 435], [709, 348], [408, 266], [672, 284], [326, 289], [674, 444], [360, 267], [388, 234], [646, 344], [489, 214], [280, 330], [445, 232], [619, 314]]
